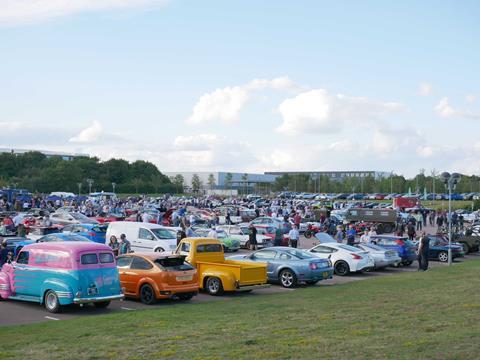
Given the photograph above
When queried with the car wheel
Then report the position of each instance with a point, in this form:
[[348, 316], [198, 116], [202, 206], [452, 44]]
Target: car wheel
[[443, 256], [341, 268], [387, 228], [101, 304], [147, 295], [407, 263], [287, 278], [214, 286], [465, 247], [185, 297], [312, 282], [51, 302], [307, 234], [159, 250]]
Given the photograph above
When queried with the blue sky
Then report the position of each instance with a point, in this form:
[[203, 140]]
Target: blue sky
[[245, 85]]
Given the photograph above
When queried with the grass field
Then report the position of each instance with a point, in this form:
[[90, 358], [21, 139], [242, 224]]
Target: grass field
[[432, 315]]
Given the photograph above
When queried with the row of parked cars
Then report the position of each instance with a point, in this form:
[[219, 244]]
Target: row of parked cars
[[378, 196]]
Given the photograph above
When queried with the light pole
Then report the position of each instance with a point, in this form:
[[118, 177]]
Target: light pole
[[391, 182], [113, 186], [90, 183], [450, 182], [79, 188]]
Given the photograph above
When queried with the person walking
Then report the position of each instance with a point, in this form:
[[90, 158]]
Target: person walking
[[294, 236], [252, 237], [422, 254]]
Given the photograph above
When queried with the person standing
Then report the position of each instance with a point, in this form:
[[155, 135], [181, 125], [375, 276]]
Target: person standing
[[252, 237], [113, 243], [423, 249], [339, 235], [411, 231], [180, 235], [125, 246], [3, 253], [212, 234], [351, 233], [277, 241], [294, 236]]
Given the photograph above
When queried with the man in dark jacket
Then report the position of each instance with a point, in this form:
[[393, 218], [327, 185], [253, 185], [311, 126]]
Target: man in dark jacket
[[252, 237], [423, 249]]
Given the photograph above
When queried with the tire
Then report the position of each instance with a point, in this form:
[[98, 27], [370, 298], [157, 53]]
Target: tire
[[102, 304], [52, 304], [159, 250], [307, 234], [380, 229], [147, 295], [407, 263], [214, 286], [287, 278], [341, 268], [465, 247], [311, 282], [387, 228], [443, 256], [185, 297]]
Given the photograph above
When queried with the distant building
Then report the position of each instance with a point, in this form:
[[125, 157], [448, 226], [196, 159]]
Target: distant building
[[238, 180], [63, 155], [335, 175]]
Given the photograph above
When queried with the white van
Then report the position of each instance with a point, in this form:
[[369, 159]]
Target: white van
[[144, 236]]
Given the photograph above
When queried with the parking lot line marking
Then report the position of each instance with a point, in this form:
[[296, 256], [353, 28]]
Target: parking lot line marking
[[125, 308], [51, 318]]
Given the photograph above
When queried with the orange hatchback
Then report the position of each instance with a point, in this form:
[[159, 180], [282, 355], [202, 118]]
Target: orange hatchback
[[152, 276]]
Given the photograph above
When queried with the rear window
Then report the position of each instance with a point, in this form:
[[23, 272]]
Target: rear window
[[106, 258], [100, 229], [173, 264], [89, 259], [209, 248], [349, 248]]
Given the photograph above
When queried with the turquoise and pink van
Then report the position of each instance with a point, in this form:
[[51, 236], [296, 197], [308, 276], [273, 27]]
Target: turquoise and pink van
[[56, 274]]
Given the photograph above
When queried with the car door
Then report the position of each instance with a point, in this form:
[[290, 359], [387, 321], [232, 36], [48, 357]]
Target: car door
[[322, 251], [139, 270], [145, 240], [127, 277], [267, 256], [23, 276]]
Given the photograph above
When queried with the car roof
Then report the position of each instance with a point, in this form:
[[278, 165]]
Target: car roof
[[68, 246], [154, 255]]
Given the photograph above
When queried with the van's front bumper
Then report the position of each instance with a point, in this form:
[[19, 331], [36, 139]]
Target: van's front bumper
[[97, 299]]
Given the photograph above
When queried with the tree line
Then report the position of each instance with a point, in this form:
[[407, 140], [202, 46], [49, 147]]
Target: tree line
[[37, 172]]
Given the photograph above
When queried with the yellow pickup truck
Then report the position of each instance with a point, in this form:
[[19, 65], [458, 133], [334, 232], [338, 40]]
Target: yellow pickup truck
[[217, 275]]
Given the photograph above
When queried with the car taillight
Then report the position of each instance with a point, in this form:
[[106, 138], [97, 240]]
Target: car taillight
[[356, 257], [91, 234], [313, 266], [399, 242]]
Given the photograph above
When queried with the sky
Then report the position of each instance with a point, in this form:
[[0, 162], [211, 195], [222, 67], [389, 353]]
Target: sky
[[247, 86]]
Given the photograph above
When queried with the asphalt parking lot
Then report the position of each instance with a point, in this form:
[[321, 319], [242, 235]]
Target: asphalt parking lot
[[19, 312]]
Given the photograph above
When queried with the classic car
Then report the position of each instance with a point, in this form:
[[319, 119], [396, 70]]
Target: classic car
[[153, 276], [241, 233], [64, 274]]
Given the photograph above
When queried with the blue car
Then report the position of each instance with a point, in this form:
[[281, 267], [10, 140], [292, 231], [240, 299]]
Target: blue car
[[404, 247], [57, 237], [289, 266], [15, 244], [438, 249], [93, 232]]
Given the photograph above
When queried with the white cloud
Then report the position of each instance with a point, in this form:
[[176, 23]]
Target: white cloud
[[27, 11], [317, 111], [225, 104], [424, 89], [88, 134], [444, 109], [470, 98], [387, 140]]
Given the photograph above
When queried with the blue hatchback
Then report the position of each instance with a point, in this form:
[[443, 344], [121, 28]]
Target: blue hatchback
[[404, 247], [93, 232]]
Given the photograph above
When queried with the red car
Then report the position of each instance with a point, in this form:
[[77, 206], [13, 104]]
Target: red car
[[270, 232], [109, 218]]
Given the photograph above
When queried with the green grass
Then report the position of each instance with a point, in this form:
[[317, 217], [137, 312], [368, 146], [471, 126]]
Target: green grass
[[432, 315]]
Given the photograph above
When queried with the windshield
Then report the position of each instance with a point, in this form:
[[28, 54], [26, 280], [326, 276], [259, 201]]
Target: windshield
[[164, 233], [301, 254], [221, 234]]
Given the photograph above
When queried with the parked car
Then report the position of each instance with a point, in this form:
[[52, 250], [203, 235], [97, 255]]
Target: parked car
[[92, 232], [438, 249], [75, 273], [57, 237], [381, 257], [36, 232], [230, 244], [110, 217], [289, 266], [345, 258], [153, 276], [144, 236], [404, 247], [272, 222], [241, 233], [67, 218], [216, 274], [15, 244]]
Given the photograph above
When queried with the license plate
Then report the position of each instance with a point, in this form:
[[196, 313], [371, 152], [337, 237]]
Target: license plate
[[185, 278], [326, 275]]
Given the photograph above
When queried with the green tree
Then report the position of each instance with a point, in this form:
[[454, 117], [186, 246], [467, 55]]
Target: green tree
[[211, 181], [178, 181], [228, 180], [196, 183]]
